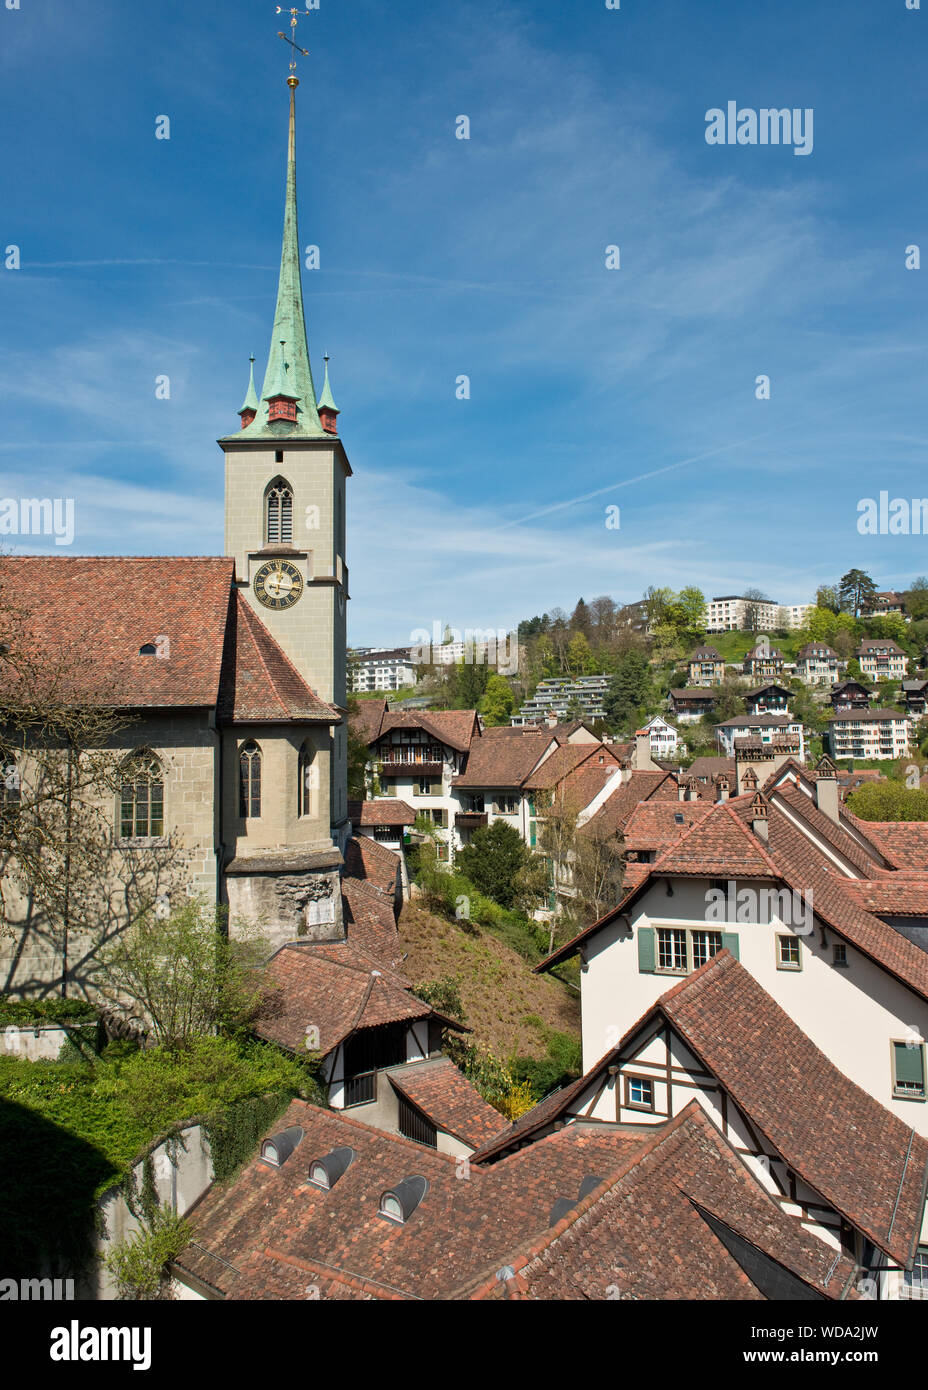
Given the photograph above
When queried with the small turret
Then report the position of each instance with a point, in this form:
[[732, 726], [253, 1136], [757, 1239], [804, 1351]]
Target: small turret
[[328, 410], [249, 407], [280, 396]]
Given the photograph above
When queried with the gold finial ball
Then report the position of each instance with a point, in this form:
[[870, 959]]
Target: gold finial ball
[[293, 81]]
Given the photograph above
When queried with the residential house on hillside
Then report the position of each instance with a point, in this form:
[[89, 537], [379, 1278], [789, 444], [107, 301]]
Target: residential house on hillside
[[763, 662], [915, 695], [804, 895], [664, 738], [381, 669], [416, 754], [881, 659], [768, 728], [562, 697], [767, 699], [706, 666], [884, 601], [875, 733], [831, 1156], [817, 664], [690, 703], [849, 695]]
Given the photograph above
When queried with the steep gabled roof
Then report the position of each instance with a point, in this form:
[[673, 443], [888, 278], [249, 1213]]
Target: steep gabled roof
[[673, 1225], [503, 757], [443, 1093], [454, 727], [612, 816], [860, 1157], [863, 1160], [385, 810], [259, 681], [334, 987]]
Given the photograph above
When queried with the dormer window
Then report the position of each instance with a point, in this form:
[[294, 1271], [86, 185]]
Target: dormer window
[[277, 1150], [325, 1172], [148, 649], [398, 1203]]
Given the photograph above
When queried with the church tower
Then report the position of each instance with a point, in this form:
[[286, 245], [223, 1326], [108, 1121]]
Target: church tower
[[286, 470]]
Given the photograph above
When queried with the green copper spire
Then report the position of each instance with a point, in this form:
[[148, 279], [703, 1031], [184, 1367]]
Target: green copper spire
[[251, 398], [289, 326], [325, 400]]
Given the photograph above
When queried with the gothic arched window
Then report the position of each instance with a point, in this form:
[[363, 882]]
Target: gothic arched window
[[141, 797], [279, 513], [308, 777], [249, 801]]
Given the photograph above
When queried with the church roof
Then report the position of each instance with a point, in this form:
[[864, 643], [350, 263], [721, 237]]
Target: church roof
[[259, 681], [107, 608], [208, 649]]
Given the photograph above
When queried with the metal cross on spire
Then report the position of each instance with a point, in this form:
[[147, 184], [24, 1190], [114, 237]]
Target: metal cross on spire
[[294, 16]]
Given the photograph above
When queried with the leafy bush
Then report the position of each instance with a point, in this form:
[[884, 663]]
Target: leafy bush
[[443, 995], [493, 860], [138, 1264], [26, 1011]]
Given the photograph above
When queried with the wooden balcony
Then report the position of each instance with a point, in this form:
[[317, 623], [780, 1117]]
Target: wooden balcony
[[395, 768], [469, 820]]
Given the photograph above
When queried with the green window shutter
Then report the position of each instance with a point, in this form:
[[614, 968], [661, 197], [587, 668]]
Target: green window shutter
[[910, 1063], [730, 943], [647, 959]]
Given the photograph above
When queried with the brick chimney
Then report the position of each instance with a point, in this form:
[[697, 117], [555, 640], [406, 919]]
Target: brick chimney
[[722, 787], [759, 817], [826, 789]]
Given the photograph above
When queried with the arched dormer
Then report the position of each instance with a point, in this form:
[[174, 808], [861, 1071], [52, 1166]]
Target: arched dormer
[[278, 513]]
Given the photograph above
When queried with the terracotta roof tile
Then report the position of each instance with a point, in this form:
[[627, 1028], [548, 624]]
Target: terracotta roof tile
[[385, 810], [442, 1092], [259, 681]]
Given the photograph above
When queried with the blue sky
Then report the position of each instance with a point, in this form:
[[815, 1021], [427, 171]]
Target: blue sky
[[443, 257]]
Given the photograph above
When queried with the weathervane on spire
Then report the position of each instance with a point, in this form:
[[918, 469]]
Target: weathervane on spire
[[303, 52]]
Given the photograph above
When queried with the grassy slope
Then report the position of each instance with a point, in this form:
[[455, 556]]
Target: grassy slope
[[498, 990], [733, 645]]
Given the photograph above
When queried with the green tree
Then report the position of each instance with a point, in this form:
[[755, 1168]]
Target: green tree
[[579, 655], [185, 974], [492, 861], [826, 596], [693, 603], [889, 800], [498, 701], [916, 599], [855, 590], [628, 689]]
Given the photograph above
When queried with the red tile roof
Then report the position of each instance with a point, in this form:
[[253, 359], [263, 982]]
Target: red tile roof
[[216, 651], [612, 816], [904, 843], [863, 1160], [658, 1231], [454, 727], [653, 825], [385, 810], [336, 988], [443, 1093], [369, 860], [503, 758], [270, 1233], [866, 1163], [259, 682], [367, 717], [112, 606], [370, 921]]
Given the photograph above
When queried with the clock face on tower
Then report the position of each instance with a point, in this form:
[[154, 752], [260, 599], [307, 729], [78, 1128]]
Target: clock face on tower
[[278, 584]]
